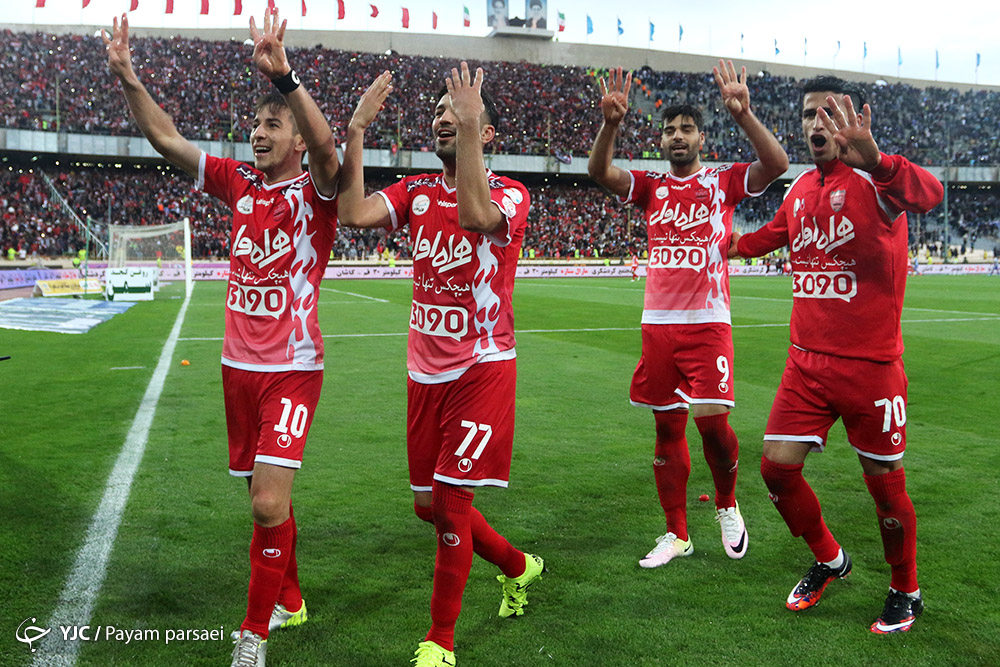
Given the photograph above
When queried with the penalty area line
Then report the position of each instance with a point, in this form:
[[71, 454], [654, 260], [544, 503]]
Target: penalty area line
[[76, 601]]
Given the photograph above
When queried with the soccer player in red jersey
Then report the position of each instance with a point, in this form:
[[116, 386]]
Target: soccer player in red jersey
[[466, 227], [845, 223], [687, 344], [284, 221]]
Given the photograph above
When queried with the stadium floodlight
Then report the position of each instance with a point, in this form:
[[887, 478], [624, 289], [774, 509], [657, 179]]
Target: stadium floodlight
[[140, 255]]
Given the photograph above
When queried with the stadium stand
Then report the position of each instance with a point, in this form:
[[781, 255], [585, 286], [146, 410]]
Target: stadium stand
[[59, 82]]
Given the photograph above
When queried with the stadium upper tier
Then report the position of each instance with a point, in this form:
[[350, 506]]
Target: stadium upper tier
[[61, 82]]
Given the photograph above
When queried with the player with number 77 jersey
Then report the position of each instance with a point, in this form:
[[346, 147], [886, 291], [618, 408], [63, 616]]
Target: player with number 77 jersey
[[466, 226]]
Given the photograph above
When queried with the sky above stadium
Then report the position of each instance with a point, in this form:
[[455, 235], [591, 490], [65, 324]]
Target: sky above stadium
[[890, 38]]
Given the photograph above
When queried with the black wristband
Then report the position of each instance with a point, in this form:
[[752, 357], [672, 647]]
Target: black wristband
[[287, 83]]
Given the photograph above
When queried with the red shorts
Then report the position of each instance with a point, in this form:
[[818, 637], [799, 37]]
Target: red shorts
[[683, 364], [869, 396], [462, 432], [268, 416]]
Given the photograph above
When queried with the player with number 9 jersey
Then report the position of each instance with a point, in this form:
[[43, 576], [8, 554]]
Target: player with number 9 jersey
[[687, 343]]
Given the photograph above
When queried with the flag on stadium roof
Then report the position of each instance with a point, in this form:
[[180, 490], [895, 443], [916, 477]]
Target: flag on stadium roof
[[776, 49], [170, 7], [85, 3], [680, 33], [39, 4], [741, 43], [977, 60], [466, 19], [899, 55], [303, 7], [651, 29], [341, 10], [621, 30], [434, 21], [590, 25], [134, 6], [406, 18], [374, 11], [838, 49], [562, 22], [937, 59], [866, 51]]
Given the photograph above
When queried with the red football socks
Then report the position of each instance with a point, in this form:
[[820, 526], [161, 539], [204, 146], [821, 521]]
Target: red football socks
[[270, 550], [493, 547], [671, 468], [722, 453], [452, 520], [799, 507], [897, 522], [291, 595]]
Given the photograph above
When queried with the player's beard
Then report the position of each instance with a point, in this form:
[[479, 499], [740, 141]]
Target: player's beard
[[684, 159], [446, 152]]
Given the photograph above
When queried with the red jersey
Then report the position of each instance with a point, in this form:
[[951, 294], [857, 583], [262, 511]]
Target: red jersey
[[463, 281], [848, 236], [279, 246], [688, 224]]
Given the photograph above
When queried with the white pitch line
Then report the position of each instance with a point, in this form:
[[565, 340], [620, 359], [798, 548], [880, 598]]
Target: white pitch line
[[360, 296], [127, 368], [76, 602]]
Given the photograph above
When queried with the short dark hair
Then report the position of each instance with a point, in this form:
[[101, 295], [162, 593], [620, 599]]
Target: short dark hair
[[271, 101], [683, 110], [488, 103], [833, 84], [535, 3]]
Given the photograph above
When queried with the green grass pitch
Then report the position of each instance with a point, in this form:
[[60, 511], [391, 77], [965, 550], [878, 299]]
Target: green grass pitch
[[581, 494]]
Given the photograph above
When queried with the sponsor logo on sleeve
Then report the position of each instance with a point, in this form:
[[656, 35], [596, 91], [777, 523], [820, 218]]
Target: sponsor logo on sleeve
[[509, 207], [514, 194], [420, 204], [245, 205]]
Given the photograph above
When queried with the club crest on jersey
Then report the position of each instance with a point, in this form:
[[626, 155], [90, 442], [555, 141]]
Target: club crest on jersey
[[444, 257], [837, 198], [266, 253], [662, 192], [245, 205], [420, 204]]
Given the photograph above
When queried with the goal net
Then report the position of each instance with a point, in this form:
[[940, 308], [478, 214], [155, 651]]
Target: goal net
[[139, 256]]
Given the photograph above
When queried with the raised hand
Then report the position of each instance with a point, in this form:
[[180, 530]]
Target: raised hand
[[614, 102], [269, 46], [372, 100], [119, 55], [466, 94], [855, 144], [734, 90]]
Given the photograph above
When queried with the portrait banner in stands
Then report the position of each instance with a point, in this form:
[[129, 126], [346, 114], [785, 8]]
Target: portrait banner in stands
[[497, 13], [536, 13]]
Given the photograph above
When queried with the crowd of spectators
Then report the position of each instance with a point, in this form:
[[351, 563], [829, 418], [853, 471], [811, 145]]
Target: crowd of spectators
[[61, 81], [568, 219]]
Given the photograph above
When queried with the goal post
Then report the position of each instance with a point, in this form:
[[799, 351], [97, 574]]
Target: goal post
[[139, 256]]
